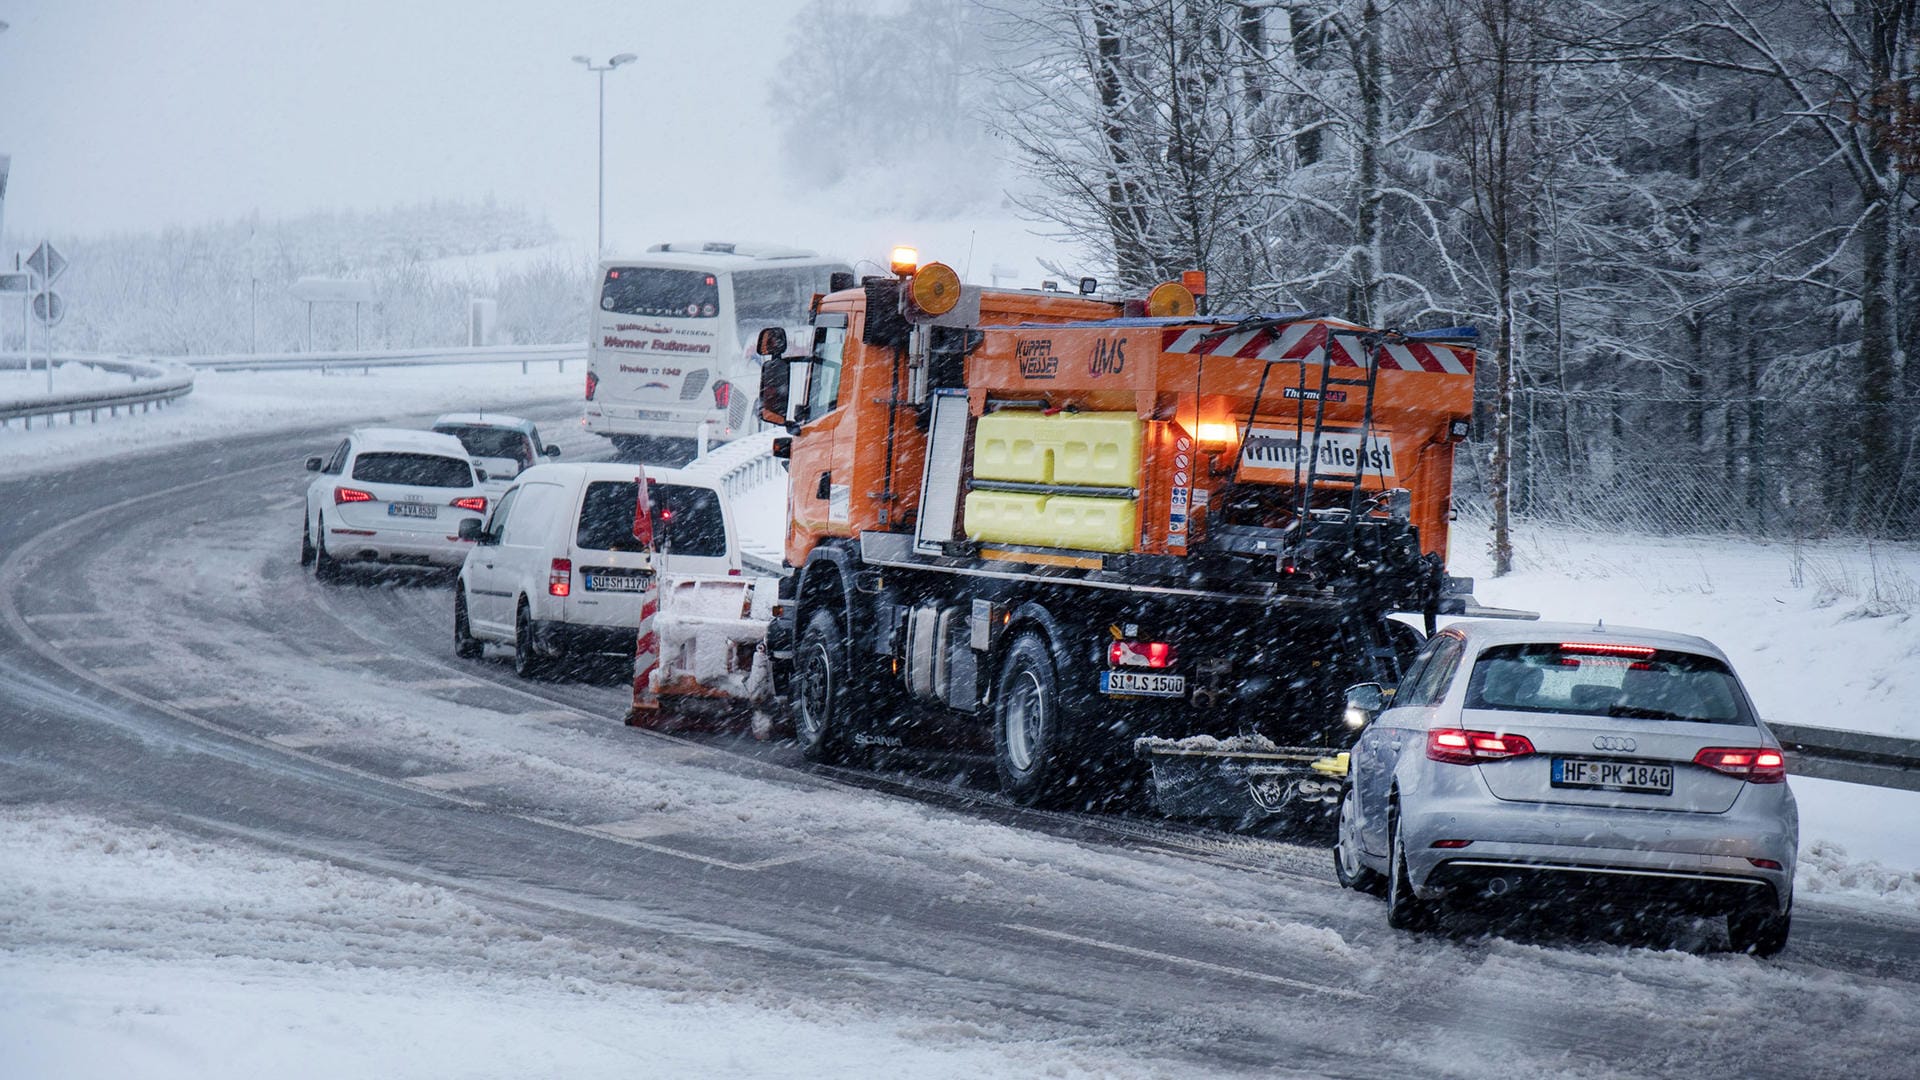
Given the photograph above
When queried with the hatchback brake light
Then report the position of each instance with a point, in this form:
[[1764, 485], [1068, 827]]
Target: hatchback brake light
[[1754, 764], [347, 495], [560, 578], [593, 383], [1456, 746], [1146, 654], [475, 503], [1598, 648]]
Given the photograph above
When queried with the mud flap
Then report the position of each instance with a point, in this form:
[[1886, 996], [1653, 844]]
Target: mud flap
[[1215, 781]]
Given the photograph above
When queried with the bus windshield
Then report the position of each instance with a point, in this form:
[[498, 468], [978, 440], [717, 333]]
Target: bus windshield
[[656, 291]]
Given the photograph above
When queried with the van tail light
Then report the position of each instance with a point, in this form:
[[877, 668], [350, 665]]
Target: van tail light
[[722, 394], [1146, 654], [475, 503], [1456, 746], [560, 578], [347, 495], [593, 383], [1754, 764]]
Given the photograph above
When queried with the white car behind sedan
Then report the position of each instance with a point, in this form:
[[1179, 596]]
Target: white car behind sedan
[[387, 496]]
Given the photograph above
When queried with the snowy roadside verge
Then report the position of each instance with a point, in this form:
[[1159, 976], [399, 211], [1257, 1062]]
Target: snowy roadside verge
[[141, 951], [246, 403]]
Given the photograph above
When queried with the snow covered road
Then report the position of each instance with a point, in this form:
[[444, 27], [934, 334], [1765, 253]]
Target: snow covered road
[[218, 775]]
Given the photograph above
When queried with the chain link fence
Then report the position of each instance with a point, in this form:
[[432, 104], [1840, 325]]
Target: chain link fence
[[1760, 467]]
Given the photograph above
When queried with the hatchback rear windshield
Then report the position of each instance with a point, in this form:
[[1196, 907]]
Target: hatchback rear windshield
[[650, 290], [686, 520], [419, 470], [1607, 680], [492, 442]]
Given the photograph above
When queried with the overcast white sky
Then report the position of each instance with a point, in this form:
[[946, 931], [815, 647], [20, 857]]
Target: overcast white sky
[[142, 113]]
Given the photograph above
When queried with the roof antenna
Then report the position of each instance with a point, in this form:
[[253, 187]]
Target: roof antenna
[[968, 269], [1600, 626]]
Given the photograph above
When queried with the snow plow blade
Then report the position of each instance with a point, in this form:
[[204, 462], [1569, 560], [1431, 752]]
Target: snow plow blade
[[1245, 780]]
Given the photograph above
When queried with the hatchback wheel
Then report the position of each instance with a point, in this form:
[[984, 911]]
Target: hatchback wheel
[[1762, 932], [325, 569], [1347, 866], [1405, 911], [306, 541]]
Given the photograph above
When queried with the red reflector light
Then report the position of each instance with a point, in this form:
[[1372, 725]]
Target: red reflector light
[[1754, 764], [710, 280], [1451, 843], [613, 275], [347, 495], [560, 578], [1765, 864], [1597, 648], [722, 393], [1455, 746], [475, 503], [593, 383], [1146, 654]]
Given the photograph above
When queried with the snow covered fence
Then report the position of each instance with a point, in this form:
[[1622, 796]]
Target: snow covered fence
[[465, 354], [152, 383]]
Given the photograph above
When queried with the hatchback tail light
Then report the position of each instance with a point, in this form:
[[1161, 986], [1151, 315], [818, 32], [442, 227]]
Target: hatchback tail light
[[1455, 746], [475, 503], [347, 495], [1146, 654], [593, 383], [560, 578], [1754, 764]]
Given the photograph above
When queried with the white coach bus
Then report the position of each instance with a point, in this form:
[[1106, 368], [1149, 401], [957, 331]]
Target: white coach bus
[[673, 337]]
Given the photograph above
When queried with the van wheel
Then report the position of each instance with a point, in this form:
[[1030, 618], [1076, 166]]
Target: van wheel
[[1405, 911], [465, 645], [325, 569], [823, 693], [527, 663], [1032, 746]]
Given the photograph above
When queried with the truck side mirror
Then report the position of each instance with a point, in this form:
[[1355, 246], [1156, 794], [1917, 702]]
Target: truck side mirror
[[772, 342], [776, 376], [1364, 702]]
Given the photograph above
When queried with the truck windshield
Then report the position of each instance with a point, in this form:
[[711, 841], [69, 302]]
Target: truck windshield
[[686, 520], [1607, 680], [656, 291]]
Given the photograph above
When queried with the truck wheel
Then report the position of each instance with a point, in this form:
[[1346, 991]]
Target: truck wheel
[[1405, 911], [1347, 867], [823, 694], [465, 645], [1031, 742], [1761, 932]]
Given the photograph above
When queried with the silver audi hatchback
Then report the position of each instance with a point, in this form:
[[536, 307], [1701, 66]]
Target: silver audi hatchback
[[1561, 763]]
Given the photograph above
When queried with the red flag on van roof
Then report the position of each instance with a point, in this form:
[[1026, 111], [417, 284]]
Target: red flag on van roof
[[642, 513]]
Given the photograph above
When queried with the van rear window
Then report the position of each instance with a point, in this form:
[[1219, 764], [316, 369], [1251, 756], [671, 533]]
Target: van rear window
[[686, 520], [420, 470], [651, 290]]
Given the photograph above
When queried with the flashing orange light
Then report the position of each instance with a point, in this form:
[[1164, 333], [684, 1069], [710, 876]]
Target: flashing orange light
[[905, 261], [1170, 299], [1215, 435], [935, 289], [1195, 281]]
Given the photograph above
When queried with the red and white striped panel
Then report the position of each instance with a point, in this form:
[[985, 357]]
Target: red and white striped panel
[[646, 653], [1314, 343]]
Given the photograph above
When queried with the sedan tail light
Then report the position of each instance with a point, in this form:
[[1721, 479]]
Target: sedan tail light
[[347, 495], [593, 383], [1754, 764], [1456, 746], [475, 503], [560, 578]]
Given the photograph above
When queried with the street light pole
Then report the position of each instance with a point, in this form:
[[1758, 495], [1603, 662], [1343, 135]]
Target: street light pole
[[600, 213]]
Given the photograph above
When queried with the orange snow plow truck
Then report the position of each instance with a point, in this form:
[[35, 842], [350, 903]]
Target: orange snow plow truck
[[1080, 535]]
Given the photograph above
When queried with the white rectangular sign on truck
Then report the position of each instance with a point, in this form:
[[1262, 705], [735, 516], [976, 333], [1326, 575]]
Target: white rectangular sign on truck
[[1272, 454]]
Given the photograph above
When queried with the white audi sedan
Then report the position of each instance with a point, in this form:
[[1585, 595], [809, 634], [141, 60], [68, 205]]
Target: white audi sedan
[[392, 497], [1612, 768]]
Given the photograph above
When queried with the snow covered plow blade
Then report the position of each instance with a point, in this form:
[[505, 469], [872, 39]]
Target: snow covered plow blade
[[702, 651], [1244, 779]]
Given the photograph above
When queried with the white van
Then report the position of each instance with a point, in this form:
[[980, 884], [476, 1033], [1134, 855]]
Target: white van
[[555, 571], [673, 336]]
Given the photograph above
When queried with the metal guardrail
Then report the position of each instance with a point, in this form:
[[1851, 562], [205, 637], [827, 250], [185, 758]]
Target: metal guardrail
[[153, 385], [1854, 757], [737, 468], [322, 361]]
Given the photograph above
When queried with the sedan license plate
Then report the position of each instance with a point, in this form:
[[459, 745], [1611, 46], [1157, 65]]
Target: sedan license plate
[[611, 583], [413, 510], [1613, 775], [1142, 684]]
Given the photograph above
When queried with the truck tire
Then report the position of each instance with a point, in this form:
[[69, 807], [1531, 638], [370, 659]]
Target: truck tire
[[823, 690], [1032, 744], [465, 645]]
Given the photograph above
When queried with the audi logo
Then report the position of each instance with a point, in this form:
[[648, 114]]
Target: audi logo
[[1615, 742]]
